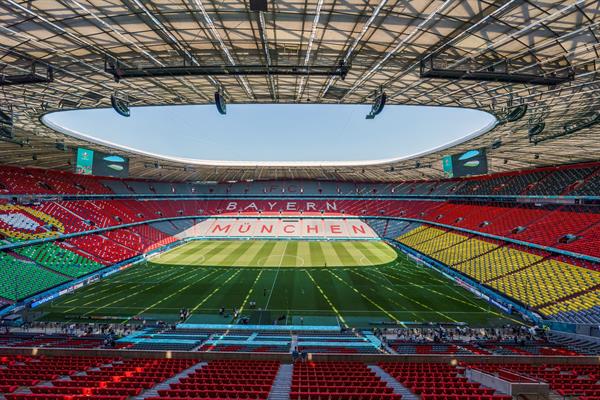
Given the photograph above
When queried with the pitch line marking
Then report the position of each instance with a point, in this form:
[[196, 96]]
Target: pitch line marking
[[335, 310], [306, 310], [140, 272], [135, 293], [250, 293], [172, 294], [406, 297], [276, 275], [391, 316], [214, 291], [490, 310], [428, 288], [95, 299]]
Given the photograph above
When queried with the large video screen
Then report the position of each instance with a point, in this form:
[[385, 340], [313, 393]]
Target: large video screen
[[90, 162], [471, 162]]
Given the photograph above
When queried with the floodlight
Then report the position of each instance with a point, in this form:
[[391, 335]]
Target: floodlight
[[120, 103], [220, 103], [378, 105]]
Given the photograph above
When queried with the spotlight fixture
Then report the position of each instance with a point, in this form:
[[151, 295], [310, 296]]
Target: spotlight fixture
[[220, 103], [512, 114], [535, 130], [516, 113], [378, 105], [120, 103]]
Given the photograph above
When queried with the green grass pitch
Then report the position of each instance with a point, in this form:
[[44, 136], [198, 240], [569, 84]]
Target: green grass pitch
[[350, 283], [275, 254]]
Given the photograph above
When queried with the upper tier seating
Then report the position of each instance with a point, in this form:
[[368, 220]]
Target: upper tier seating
[[580, 179], [38, 181]]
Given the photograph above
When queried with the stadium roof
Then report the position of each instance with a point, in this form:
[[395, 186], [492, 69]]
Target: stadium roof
[[382, 41]]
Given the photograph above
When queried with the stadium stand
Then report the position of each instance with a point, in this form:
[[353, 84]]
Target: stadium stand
[[61, 260], [577, 179], [21, 278], [433, 381], [509, 269], [566, 380], [514, 271], [341, 379], [225, 379], [112, 379]]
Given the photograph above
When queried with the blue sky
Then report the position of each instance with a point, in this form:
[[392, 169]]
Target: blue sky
[[277, 132]]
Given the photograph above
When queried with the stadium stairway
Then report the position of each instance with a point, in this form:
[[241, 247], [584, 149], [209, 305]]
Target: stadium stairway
[[394, 384], [282, 383], [165, 385]]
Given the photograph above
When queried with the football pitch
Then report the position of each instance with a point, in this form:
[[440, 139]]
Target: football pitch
[[346, 283]]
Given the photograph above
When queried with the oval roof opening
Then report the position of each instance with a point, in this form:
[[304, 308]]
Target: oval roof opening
[[276, 134]]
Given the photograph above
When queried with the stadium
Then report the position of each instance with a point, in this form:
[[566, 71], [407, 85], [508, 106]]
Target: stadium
[[337, 200]]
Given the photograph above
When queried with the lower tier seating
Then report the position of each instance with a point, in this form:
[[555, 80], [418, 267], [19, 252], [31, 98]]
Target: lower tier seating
[[224, 379], [551, 286], [347, 380], [436, 381], [60, 260], [20, 279], [567, 380]]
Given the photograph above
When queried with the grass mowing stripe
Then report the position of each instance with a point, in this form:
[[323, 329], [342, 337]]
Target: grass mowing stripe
[[219, 257], [291, 258], [335, 310], [245, 259], [215, 290], [151, 306], [369, 254], [357, 254], [234, 252], [250, 291], [316, 251], [448, 284], [488, 310], [412, 299], [275, 280], [344, 255], [109, 286], [303, 251], [263, 252], [96, 299], [331, 257], [136, 293], [391, 316]]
